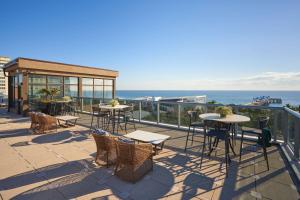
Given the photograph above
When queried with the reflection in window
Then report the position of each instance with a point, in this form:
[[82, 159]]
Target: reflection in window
[[98, 81], [98, 92], [34, 89], [71, 80], [71, 90], [87, 81], [108, 92], [55, 79], [87, 91], [37, 79], [108, 82]]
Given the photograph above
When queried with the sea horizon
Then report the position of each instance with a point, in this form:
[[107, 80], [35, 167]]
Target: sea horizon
[[221, 96]]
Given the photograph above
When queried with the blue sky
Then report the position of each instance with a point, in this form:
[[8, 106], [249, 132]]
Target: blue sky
[[163, 44]]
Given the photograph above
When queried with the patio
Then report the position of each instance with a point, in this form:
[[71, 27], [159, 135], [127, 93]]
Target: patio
[[60, 166]]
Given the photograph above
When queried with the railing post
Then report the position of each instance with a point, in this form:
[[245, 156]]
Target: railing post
[[158, 112], [285, 125], [91, 105], [140, 111], [81, 104], [274, 127], [297, 138], [179, 115]]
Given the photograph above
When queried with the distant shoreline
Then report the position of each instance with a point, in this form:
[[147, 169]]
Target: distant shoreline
[[221, 96]]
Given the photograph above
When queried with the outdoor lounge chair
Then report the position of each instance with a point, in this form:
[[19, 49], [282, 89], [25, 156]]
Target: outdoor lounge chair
[[133, 160], [46, 122], [106, 149], [34, 121]]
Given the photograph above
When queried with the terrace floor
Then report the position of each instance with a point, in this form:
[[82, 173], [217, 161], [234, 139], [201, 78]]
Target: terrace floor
[[60, 166]]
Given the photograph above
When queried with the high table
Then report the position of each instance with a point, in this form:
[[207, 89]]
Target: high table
[[229, 119], [113, 110]]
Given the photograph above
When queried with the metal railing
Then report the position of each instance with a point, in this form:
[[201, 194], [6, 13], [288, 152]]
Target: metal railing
[[284, 122]]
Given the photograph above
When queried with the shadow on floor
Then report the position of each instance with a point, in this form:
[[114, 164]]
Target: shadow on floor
[[72, 179]]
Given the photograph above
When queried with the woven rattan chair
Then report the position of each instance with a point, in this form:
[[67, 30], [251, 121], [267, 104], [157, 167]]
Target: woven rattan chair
[[34, 121], [106, 149], [133, 161], [46, 123]]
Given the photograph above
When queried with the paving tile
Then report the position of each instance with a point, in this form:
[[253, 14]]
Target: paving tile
[[274, 190]]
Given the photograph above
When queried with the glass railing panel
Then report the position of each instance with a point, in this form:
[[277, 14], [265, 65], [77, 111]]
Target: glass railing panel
[[168, 113], [184, 108], [96, 102], [133, 103], [149, 111], [255, 113], [291, 131]]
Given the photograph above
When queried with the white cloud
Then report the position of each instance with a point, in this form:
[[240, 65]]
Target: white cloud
[[263, 81]]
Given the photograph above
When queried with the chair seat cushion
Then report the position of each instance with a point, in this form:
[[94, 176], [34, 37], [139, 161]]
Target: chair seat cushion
[[126, 140], [101, 132], [251, 130]]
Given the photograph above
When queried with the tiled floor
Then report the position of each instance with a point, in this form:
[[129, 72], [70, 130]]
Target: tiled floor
[[60, 166]]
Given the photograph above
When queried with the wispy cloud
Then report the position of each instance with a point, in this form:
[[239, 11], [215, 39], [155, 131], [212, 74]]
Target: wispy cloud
[[263, 81]]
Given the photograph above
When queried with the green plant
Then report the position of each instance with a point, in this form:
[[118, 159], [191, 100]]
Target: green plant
[[54, 92], [223, 110], [114, 102], [45, 92]]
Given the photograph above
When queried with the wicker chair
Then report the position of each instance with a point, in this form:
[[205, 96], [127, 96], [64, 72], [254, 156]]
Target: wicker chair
[[46, 122], [133, 161], [34, 121], [106, 150]]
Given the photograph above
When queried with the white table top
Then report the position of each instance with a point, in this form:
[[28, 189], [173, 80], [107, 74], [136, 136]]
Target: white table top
[[66, 117], [117, 107], [145, 136], [228, 119]]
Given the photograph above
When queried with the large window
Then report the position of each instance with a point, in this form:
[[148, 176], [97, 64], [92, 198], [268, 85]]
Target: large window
[[69, 86], [97, 88]]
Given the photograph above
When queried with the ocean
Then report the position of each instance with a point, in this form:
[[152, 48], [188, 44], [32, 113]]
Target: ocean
[[224, 97]]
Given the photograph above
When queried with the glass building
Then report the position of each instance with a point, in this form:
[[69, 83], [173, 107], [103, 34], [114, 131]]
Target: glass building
[[26, 77]]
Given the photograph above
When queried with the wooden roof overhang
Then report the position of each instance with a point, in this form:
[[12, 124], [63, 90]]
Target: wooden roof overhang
[[33, 66]]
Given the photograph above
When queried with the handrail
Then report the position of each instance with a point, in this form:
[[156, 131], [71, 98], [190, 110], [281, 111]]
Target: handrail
[[200, 104], [292, 112]]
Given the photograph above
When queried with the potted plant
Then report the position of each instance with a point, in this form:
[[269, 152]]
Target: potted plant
[[114, 102], [224, 110], [53, 92]]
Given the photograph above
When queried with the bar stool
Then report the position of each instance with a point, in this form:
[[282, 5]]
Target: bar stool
[[263, 123], [126, 116], [218, 131], [103, 115], [193, 123]]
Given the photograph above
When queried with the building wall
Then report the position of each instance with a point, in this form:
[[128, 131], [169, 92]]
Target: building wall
[[3, 79]]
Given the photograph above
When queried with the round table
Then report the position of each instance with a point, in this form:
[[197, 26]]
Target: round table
[[229, 119]]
